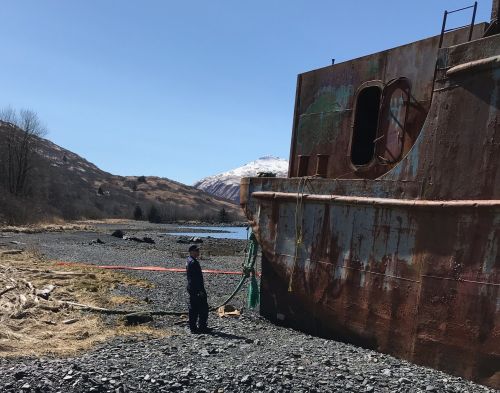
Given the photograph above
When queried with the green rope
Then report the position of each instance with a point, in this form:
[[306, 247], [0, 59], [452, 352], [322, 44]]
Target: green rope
[[253, 292], [253, 289], [248, 271]]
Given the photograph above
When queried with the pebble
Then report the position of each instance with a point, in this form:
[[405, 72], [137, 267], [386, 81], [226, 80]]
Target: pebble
[[243, 354]]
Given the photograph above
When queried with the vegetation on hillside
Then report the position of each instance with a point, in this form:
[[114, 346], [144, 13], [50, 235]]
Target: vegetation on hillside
[[40, 181]]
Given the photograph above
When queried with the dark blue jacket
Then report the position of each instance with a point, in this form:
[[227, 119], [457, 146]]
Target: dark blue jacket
[[194, 276]]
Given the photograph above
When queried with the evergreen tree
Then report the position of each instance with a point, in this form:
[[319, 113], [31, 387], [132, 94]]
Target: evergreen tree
[[138, 213], [223, 215], [154, 215]]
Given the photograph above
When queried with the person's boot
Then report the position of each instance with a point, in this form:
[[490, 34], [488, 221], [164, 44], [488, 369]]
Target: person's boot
[[205, 329]]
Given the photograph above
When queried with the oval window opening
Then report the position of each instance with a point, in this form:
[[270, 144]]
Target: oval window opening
[[365, 125]]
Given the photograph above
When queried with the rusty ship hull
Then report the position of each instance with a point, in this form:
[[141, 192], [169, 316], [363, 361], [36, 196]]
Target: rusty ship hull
[[394, 245]]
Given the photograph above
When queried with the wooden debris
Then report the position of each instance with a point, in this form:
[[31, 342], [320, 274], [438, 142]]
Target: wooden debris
[[45, 292], [228, 311], [138, 318], [11, 252], [40, 306], [8, 289], [49, 307], [70, 321]]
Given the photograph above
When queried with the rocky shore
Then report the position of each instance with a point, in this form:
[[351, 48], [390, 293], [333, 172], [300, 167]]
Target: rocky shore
[[244, 354]]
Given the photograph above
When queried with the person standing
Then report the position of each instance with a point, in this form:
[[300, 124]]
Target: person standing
[[198, 305]]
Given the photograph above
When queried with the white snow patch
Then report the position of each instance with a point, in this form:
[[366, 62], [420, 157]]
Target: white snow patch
[[227, 184]]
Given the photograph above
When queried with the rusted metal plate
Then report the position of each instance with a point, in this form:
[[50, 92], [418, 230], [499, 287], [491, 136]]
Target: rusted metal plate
[[413, 283], [495, 10], [459, 149], [325, 101], [392, 122], [407, 263]]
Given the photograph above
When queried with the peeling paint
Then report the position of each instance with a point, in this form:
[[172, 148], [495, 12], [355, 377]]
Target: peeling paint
[[400, 257]]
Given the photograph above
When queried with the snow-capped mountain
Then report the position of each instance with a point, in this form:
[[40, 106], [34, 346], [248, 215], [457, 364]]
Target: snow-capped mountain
[[227, 184]]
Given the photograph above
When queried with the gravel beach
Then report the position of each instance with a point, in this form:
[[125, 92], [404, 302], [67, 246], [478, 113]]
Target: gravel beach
[[244, 354]]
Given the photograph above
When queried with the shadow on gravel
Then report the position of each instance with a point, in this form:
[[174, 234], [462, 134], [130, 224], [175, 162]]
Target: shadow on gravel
[[228, 336]]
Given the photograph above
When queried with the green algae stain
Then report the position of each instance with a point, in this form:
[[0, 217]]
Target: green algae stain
[[330, 98], [373, 67], [321, 121]]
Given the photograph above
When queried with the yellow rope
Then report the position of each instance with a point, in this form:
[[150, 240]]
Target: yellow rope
[[299, 208], [299, 211]]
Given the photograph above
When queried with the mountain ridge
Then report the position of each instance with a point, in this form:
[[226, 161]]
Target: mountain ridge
[[65, 185], [227, 184]]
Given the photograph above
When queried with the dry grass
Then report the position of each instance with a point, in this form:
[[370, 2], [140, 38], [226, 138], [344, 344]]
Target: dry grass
[[118, 300], [30, 325], [104, 221], [39, 228]]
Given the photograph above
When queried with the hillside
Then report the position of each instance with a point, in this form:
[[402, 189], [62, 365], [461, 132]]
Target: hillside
[[65, 185], [227, 184]]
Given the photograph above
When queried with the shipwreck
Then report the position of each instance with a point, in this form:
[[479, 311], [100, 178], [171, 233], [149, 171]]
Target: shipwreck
[[386, 232]]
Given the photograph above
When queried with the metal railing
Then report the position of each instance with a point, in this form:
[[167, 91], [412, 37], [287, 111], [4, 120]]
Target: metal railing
[[471, 26]]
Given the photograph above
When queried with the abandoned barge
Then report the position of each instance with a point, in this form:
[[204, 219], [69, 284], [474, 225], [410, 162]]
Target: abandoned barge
[[386, 232]]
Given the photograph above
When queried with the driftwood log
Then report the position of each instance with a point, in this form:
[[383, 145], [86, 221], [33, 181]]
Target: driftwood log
[[19, 298], [86, 307]]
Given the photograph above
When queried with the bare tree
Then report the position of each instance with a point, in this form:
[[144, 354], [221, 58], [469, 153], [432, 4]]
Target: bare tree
[[22, 130]]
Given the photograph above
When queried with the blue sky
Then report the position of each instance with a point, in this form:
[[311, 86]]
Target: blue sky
[[185, 89]]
